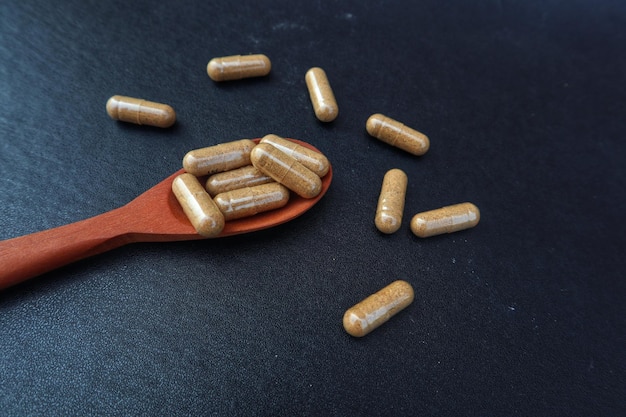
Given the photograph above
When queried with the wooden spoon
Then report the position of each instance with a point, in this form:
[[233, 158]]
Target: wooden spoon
[[154, 216]]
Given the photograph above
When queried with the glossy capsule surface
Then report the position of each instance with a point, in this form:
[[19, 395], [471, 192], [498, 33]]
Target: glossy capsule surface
[[245, 202], [198, 205], [376, 309], [397, 134], [445, 220], [391, 201], [286, 170], [315, 161], [218, 158], [243, 177], [321, 94], [140, 111], [236, 67]]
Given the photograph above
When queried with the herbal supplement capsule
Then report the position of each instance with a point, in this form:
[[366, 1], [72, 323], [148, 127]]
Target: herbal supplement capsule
[[445, 220], [376, 309], [286, 170], [391, 201], [236, 67], [322, 97], [243, 177], [218, 158], [396, 134], [198, 205], [140, 112], [311, 159], [249, 201]]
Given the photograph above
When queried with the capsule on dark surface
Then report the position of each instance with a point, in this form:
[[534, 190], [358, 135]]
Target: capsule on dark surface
[[140, 111], [236, 67], [447, 219], [397, 134]]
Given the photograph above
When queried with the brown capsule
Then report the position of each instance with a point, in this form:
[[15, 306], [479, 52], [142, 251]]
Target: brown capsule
[[198, 205], [397, 134], [140, 112], [445, 220], [286, 170], [311, 159], [391, 201], [376, 309], [218, 158], [322, 97], [245, 202], [236, 67], [243, 177]]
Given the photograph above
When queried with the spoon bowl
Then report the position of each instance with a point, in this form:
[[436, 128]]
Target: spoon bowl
[[154, 216]]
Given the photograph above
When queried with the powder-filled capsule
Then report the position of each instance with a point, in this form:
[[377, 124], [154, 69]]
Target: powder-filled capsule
[[236, 67], [391, 201], [445, 220], [286, 170], [397, 134], [243, 177], [376, 309], [311, 159], [140, 112], [218, 158], [249, 201], [198, 205], [322, 96]]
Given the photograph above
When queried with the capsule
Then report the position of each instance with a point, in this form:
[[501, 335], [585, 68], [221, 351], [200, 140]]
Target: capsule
[[236, 67], [376, 309], [245, 202], [311, 159], [198, 205], [286, 170], [243, 177], [218, 158], [445, 220], [391, 201], [140, 112], [396, 134], [322, 97]]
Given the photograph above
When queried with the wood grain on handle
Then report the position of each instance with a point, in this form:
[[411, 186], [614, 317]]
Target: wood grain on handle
[[27, 256]]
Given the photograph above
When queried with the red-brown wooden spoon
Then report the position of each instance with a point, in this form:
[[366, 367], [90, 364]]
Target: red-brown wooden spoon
[[154, 216]]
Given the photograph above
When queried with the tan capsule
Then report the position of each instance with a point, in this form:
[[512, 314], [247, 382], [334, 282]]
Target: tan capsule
[[311, 159], [198, 205], [140, 112], [218, 158], [376, 309], [286, 170], [397, 134], [236, 67], [445, 220], [391, 201], [243, 177], [245, 202], [322, 97]]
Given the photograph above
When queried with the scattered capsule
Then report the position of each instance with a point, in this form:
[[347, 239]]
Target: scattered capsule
[[249, 201], [140, 112], [237, 67], [311, 159], [286, 170], [218, 158], [445, 220], [391, 201], [198, 205], [243, 177], [376, 309], [397, 134], [322, 97]]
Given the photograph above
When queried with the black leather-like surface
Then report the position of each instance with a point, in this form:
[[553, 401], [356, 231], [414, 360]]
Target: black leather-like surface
[[522, 315]]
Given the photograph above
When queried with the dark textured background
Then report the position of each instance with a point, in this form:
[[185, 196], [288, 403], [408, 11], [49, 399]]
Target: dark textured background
[[524, 103]]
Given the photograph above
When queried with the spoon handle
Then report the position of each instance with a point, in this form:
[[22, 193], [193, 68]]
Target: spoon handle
[[27, 256]]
